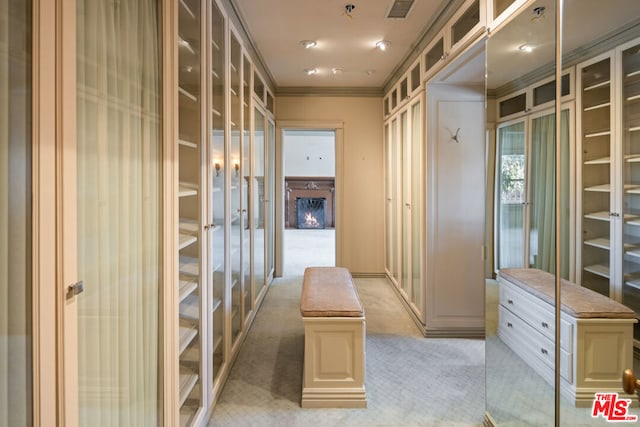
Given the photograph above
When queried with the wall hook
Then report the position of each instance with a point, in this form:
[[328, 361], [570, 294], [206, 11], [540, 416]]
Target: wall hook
[[455, 137]]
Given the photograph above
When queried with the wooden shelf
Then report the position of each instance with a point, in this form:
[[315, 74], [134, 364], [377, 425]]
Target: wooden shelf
[[187, 335], [187, 9], [186, 45], [188, 380], [185, 240], [216, 112], [188, 225], [187, 189], [186, 143], [186, 286], [598, 106], [602, 188], [597, 85], [633, 98], [634, 129], [187, 94], [216, 343], [598, 269], [215, 74], [597, 134], [215, 45], [600, 242], [599, 216], [600, 161], [632, 74], [217, 303]]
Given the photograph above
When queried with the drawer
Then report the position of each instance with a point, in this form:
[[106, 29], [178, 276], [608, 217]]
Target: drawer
[[536, 313], [531, 345]]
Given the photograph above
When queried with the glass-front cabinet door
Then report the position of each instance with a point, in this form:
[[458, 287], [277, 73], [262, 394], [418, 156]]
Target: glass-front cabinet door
[[269, 200], [119, 158], [246, 174], [191, 195], [258, 213], [217, 171], [16, 217], [237, 187]]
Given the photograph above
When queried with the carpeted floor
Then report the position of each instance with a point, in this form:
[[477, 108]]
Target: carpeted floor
[[410, 380]]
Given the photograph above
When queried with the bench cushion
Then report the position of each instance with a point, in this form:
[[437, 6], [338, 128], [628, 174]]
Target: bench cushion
[[329, 292], [577, 301]]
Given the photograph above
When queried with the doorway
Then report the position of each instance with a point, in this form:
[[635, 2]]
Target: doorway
[[309, 211]]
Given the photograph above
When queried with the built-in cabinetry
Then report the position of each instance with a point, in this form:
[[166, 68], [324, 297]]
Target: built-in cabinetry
[[191, 196], [609, 134], [220, 175]]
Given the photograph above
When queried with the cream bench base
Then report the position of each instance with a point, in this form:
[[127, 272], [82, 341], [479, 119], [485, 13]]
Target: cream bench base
[[596, 333], [334, 340]]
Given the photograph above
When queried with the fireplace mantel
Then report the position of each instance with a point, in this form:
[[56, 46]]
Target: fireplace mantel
[[309, 186]]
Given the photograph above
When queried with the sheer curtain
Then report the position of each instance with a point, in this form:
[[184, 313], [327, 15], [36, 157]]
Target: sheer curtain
[[15, 213], [543, 193], [119, 216]]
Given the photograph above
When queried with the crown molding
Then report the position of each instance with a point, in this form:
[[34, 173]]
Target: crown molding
[[329, 91]]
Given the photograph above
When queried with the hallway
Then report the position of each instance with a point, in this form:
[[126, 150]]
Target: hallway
[[410, 380]]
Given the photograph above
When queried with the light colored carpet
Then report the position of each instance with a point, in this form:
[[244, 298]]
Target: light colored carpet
[[410, 380], [303, 248]]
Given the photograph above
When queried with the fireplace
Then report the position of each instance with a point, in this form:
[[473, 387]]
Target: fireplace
[[310, 212], [309, 187]]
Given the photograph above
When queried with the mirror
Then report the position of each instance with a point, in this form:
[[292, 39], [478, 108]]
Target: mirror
[[520, 211], [599, 222], [601, 44]]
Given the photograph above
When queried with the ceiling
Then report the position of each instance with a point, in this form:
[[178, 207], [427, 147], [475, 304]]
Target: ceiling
[[276, 28], [345, 42]]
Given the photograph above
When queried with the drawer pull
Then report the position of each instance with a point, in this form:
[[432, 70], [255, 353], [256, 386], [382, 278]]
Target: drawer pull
[[544, 351], [509, 301], [509, 325], [545, 325]]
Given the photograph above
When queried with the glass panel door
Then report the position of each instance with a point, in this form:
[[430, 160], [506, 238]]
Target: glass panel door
[[246, 173], [406, 203], [388, 214], [510, 197], [416, 208], [15, 214], [631, 203], [258, 220], [238, 188], [270, 194], [395, 201], [119, 217], [216, 209]]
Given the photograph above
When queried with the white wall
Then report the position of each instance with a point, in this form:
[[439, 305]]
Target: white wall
[[309, 153]]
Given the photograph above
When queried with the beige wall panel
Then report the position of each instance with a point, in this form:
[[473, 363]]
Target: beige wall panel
[[362, 180]]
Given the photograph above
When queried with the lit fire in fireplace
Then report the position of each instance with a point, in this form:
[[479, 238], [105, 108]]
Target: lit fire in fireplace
[[310, 220]]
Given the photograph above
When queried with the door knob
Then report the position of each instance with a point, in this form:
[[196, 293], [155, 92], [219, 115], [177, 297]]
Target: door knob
[[630, 383]]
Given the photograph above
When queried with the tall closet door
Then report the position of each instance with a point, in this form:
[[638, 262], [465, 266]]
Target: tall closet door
[[16, 285], [394, 203], [258, 213], [270, 193], [215, 225], [238, 187], [511, 195], [630, 88], [405, 219], [119, 212], [388, 212], [416, 210]]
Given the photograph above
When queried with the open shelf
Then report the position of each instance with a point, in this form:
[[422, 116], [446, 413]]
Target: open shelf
[[187, 189], [598, 269], [599, 216], [600, 242], [597, 85], [190, 308], [604, 188], [187, 335], [186, 286], [600, 161], [188, 380]]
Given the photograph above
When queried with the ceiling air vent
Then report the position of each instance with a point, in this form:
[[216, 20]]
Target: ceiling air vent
[[400, 9]]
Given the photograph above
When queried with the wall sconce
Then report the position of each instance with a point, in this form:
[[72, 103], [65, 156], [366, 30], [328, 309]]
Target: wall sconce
[[236, 166], [217, 166]]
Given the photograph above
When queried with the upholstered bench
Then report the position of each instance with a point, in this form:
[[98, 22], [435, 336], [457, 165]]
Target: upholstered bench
[[596, 333], [334, 340]]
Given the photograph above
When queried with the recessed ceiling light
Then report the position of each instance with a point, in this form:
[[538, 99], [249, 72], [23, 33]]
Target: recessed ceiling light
[[308, 44], [526, 48], [310, 71], [336, 71], [370, 72], [383, 45]]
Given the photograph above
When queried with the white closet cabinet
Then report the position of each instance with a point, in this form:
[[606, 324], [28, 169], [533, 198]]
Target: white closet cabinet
[[608, 124], [216, 295]]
